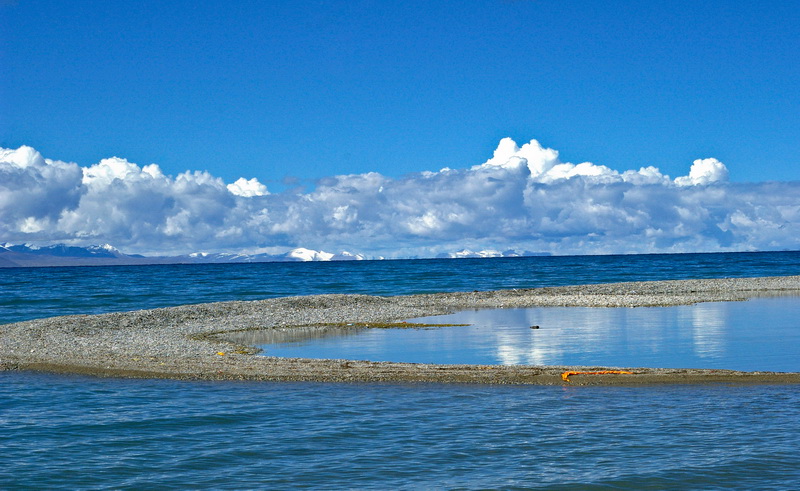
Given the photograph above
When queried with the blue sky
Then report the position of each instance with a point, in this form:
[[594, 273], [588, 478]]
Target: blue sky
[[316, 88], [401, 128]]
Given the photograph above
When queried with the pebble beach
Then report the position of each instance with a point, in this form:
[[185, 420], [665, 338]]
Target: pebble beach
[[199, 341]]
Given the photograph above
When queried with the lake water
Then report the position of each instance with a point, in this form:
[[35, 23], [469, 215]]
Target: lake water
[[70, 432], [760, 334], [84, 433]]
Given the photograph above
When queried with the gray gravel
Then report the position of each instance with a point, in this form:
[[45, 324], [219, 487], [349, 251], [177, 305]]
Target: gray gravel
[[188, 342]]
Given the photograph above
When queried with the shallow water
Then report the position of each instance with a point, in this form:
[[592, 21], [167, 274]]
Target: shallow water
[[760, 334], [78, 433]]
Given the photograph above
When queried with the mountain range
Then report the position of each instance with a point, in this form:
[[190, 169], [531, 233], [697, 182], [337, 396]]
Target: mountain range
[[26, 255]]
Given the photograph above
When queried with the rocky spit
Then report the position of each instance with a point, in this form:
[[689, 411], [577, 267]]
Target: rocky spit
[[199, 341]]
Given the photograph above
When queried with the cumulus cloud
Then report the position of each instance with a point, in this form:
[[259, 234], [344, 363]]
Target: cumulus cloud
[[704, 171], [34, 192], [247, 188], [523, 197]]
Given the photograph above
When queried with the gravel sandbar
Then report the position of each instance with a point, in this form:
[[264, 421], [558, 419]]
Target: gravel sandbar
[[188, 342]]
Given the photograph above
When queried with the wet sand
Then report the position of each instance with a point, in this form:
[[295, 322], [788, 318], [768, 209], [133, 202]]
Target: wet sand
[[199, 341]]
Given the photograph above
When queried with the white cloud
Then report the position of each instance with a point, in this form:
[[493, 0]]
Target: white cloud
[[34, 192], [704, 171], [247, 188], [523, 198], [538, 159]]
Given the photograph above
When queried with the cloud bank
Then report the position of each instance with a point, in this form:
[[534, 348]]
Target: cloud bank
[[521, 198]]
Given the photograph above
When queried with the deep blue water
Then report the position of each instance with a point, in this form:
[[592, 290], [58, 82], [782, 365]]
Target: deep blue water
[[72, 432]]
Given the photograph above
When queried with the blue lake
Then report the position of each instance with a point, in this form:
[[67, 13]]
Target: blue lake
[[759, 334], [72, 432]]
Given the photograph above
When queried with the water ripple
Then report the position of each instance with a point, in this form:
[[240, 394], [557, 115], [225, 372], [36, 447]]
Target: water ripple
[[88, 433]]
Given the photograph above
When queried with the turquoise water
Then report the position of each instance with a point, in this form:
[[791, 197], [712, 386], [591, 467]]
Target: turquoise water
[[760, 334], [69, 432]]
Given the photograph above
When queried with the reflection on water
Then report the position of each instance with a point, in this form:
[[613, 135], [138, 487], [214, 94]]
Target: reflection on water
[[760, 334], [708, 323]]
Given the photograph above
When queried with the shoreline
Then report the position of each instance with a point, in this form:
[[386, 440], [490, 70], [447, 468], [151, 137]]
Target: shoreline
[[185, 342]]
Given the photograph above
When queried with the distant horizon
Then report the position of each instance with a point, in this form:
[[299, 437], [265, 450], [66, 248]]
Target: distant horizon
[[215, 257]]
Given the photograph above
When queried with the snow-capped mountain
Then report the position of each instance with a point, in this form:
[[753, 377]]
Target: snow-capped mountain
[[28, 255], [299, 254], [62, 250], [466, 253]]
